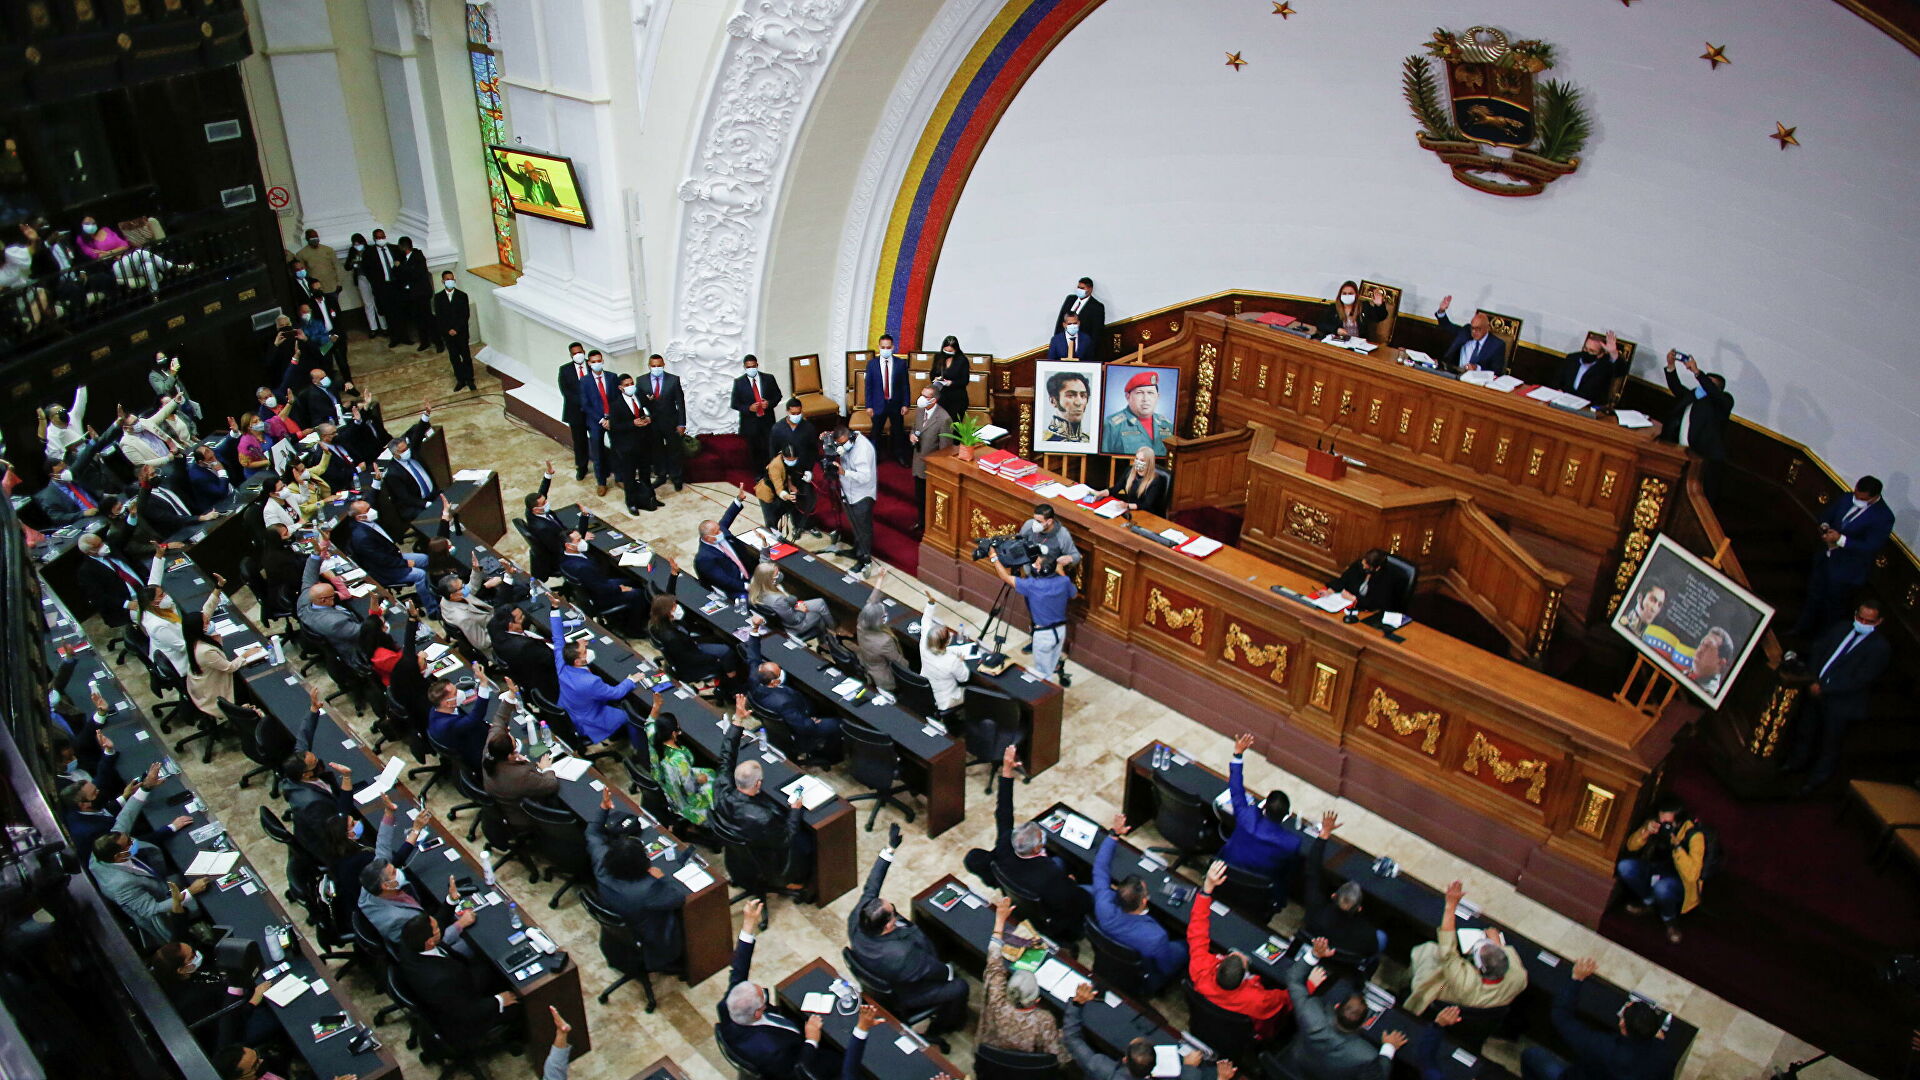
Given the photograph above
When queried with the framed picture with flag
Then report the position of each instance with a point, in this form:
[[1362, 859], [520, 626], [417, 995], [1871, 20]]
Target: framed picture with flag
[[1691, 620]]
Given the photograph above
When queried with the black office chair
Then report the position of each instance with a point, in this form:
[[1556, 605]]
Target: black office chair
[[884, 993], [1028, 906], [1188, 824], [302, 873], [314, 649], [1228, 1033], [205, 726], [412, 731], [1407, 570], [245, 724], [741, 1070], [1273, 1066], [874, 761], [162, 681], [998, 1063], [914, 693], [991, 722], [1117, 965], [1475, 1026], [436, 1047], [779, 733], [620, 948], [839, 651], [1250, 895], [560, 840], [752, 870], [372, 948]]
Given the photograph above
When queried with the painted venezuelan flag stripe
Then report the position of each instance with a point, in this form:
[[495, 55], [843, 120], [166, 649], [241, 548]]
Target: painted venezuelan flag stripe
[[1020, 36]]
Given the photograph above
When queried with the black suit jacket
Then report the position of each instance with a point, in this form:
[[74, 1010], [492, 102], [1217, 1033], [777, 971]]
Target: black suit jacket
[[742, 401], [1093, 324], [669, 408], [379, 555], [403, 492], [1845, 688], [958, 373], [1707, 417], [313, 406], [1492, 357], [159, 514], [450, 312], [104, 590], [1151, 496], [1387, 591], [411, 275], [570, 393], [775, 1052], [548, 540], [529, 661], [1041, 876], [625, 430], [1597, 387], [456, 993], [800, 438]]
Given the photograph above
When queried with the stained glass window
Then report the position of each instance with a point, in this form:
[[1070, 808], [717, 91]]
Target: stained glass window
[[493, 124]]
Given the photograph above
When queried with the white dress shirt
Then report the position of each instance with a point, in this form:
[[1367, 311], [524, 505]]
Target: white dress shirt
[[859, 474]]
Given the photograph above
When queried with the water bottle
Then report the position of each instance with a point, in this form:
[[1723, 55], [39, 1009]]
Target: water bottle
[[279, 653], [546, 734], [486, 867], [513, 916], [761, 736]]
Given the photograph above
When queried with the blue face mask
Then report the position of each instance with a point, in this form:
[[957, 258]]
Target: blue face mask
[[1863, 628]]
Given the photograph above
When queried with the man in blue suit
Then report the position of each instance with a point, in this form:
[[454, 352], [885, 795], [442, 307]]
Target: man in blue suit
[[1851, 533], [818, 736], [1261, 842], [1473, 348], [589, 699], [717, 563], [1845, 662], [462, 731], [1126, 915], [1070, 343], [379, 554], [770, 1043], [597, 392], [207, 481], [887, 379], [63, 500]]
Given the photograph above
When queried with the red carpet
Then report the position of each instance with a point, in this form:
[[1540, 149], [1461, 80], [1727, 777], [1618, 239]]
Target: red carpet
[[724, 458]]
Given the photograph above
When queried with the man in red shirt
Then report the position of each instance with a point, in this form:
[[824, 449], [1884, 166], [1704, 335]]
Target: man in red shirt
[[1225, 980]]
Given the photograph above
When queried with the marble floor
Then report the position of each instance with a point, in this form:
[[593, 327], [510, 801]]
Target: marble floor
[[1732, 1044]]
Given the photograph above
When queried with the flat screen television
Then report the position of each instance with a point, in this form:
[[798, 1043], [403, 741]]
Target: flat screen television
[[542, 185]]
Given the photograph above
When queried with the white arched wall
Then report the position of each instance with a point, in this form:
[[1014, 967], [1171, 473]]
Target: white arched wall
[[1133, 155]]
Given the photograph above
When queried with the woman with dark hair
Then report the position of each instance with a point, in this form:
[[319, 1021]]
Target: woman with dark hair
[[306, 492], [209, 670], [1349, 316], [278, 505], [689, 790], [952, 374], [688, 658], [630, 884]]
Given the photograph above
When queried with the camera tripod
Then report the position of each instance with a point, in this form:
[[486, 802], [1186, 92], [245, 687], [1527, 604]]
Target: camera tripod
[[998, 657]]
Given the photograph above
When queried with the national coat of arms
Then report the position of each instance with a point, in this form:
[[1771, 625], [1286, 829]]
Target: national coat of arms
[[1506, 134]]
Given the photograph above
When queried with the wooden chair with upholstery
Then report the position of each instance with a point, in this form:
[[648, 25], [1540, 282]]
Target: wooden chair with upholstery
[[1387, 296], [1627, 349], [1507, 329], [856, 394], [803, 382], [1891, 807]]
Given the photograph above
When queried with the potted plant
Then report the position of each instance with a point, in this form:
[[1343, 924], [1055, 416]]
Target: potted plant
[[966, 432]]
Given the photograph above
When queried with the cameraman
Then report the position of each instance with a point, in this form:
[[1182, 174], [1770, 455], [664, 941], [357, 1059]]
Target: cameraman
[[1048, 589], [1055, 542], [859, 486]]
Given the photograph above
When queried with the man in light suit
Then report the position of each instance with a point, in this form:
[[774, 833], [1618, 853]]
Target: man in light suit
[[930, 427], [128, 873], [597, 391], [887, 379], [1329, 1045], [1473, 348], [756, 397], [1846, 661], [1851, 533], [772, 1044], [1093, 318], [667, 404], [572, 374]]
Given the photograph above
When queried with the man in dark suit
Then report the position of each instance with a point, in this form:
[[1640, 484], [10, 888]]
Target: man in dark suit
[[450, 313], [795, 432], [106, 580], [525, 652], [630, 431], [1473, 346], [597, 392], [1093, 319], [373, 546], [414, 284], [572, 374], [719, 562], [593, 585], [379, 266], [546, 537], [817, 736], [667, 404], [772, 1044], [161, 507], [772, 827], [630, 884], [1700, 418], [887, 381], [897, 950], [755, 397], [1846, 660], [410, 489], [1373, 583], [1590, 372], [332, 460], [459, 994], [317, 403], [1851, 533], [207, 480], [63, 500], [1021, 855]]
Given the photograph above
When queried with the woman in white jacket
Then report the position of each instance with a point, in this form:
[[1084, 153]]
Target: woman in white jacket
[[942, 667]]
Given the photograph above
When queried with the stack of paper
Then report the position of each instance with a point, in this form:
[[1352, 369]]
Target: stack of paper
[[1332, 601], [1077, 830], [1506, 384], [1571, 401], [1077, 492], [286, 990], [1015, 468], [992, 460], [991, 432], [1542, 393], [1166, 1060], [1200, 547], [571, 768], [474, 475], [1633, 419], [641, 558], [817, 1001], [381, 784], [1415, 356], [693, 876], [1175, 535], [1112, 508], [1058, 979], [847, 688], [1481, 377], [1050, 489]]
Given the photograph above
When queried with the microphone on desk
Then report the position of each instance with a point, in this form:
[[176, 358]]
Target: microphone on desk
[[1323, 442]]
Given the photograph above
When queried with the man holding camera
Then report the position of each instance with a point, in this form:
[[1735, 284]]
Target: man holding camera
[[859, 487], [1047, 589]]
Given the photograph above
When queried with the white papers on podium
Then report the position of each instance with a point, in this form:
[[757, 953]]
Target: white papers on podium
[[1332, 602], [1175, 535], [1506, 384], [381, 784], [1112, 508], [1078, 831], [693, 876], [991, 432], [1633, 419], [640, 557], [1571, 401], [1200, 547], [1076, 492], [1058, 979], [813, 791], [1478, 377], [1393, 620], [474, 475], [212, 863], [1417, 358], [1540, 393], [847, 688], [571, 768]]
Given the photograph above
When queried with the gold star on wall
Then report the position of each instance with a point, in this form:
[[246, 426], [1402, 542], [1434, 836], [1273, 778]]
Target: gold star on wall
[[1234, 61], [1283, 9], [1783, 135], [1715, 55]]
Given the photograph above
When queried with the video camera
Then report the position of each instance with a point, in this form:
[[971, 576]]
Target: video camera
[[1014, 551], [831, 448]]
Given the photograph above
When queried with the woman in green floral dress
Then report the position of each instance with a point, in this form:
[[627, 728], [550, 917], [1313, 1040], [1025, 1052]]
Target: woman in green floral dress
[[689, 790]]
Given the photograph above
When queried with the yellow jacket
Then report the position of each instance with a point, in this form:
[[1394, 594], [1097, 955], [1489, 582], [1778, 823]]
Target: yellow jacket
[[1689, 855]]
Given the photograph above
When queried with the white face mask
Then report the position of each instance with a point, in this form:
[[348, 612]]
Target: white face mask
[[399, 879], [271, 402], [630, 390], [1860, 502], [192, 965], [165, 603], [379, 243], [595, 366], [886, 354], [447, 285], [405, 455], [926, 401], [1346, 298], [371, 515], [1073, 329], [679, 613], [590, 655], [1082, 290]]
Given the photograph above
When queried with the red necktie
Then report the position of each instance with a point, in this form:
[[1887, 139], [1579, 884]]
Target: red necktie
[[757, 399], [634, 404], [600, 384], [79, 496], [886, 379], [130, 581]]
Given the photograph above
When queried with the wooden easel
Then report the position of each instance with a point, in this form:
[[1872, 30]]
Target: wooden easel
[[1647, 688], [1068, 466]]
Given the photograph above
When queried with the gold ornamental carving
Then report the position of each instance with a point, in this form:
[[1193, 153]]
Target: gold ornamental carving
[[1309, 524], [1648, 505], [1174, 326], [1203, 397], [1257, 655], [1234, 373], [1373, 413], [1406, 419], [1766, 733], [1393, 544], [1543, 634], [983, 526], [1159, 607], [1346, 401], [1110, 590], [1466, 441], [1286, 390], [1608, 478], [1433, 431], [1500, 449], [1570, 473], [1026, 429], [1260, 381], [1596, 812], [1913, 594], [1426, 542], [1325, 675], [1146, 335], [1532, 770], [1793, 469], [1319, 386], [1533, 461], [1381, 707], [940, 511]]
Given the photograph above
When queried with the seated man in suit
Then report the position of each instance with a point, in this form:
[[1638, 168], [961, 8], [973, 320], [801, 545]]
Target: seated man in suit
[[457, 993], [1329, 1044], [755, 1031], [207, 480], [461, 725], [161, 508], [896, 950], [591, 701], [331, 460], [1632, 1051], [129, 874], [1126, 915], [1225, 980], [1021, 855], [1261, 843], [317, 403], [602, 594], [199, 992], [1846, 662], [1852, 532], [631, 885], [1372, 583], [718, 562], [90, 813], [106, 580], [1344, 939], [406, 481], [390, 897], [1473, 347], [818, 736], [1137, 1063], [63, 500], [379, 554], [523, 649], [1590, 372], [1488, 978], [772, 828], [319, 608], [1069, 343], [305, 779]]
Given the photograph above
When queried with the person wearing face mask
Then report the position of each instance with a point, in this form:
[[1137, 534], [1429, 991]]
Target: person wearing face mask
[[598, 392], [874, 642], [330, 461], [1590, 372], [319, 401], [1846, 661], [590, 700], [131, 875], [378, 552], [509, 776], [1142, 488], [859, 489], [450, 316], [1093, 319], [942, 666], [411, 491], [520, 645], [380, 267], [207, 480], [779, 490], [801, 618], [164, 377], [162, 509], [198, 991], [688, 658], [1069, 343], [64, 426], [1471, 347], [63, 500], [390, 897], [600, 592], [253, 447], [319, 319], [361, 266], [572, 412], [932, 433], [458, 721], [886, 390], [952, 372], [322, 262], [166, 641], [817, 737], [667, 404], [341, 846], [630, 436], [413, 294], [794, 437], [1350, 316], [756, 398], [546, 537], [1851, 534], [145, 440]]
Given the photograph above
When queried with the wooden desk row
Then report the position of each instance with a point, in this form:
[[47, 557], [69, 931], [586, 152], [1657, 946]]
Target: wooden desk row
[[1525, 775]]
